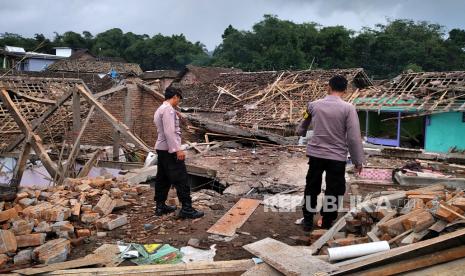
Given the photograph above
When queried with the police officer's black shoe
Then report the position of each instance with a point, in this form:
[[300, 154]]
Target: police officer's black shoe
[[164, 209], [190, 213], [327, 223], [307, 225]]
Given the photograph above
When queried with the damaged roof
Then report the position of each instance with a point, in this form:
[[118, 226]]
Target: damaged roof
[[159, 74], [94, 66], [425, 92], [206, 74], [33, 97], [272, 100]]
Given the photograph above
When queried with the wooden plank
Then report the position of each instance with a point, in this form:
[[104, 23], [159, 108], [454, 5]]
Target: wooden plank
[[110, 91], [154, 93], [89, 164], [408, 251], [38, 122], [262, 269], [121, 127], [234, 267], [452, 268], [36, 141], [111, 253], [86, 261], [235, 217], [287, 259], [373, 233], [314, 247], [418, 262]]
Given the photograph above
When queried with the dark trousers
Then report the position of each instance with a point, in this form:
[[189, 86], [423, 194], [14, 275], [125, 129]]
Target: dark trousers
[[335, 187], [171, 171]]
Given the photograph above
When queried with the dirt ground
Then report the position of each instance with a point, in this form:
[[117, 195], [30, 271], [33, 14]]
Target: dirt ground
[[262, 169], [176, 232]]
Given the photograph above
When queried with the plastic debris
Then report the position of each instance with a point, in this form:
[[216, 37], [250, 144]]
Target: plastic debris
[[191, 254]]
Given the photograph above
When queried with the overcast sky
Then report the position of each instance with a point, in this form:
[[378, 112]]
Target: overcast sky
[[205, 20]]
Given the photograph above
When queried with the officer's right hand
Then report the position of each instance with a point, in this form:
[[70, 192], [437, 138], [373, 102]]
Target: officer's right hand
[[180, 155]]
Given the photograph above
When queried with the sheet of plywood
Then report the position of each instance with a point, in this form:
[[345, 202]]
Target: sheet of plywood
[[287, 259], [235, 217]]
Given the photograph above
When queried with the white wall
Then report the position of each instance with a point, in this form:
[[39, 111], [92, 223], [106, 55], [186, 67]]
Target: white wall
[[63, 52], [38, 64]]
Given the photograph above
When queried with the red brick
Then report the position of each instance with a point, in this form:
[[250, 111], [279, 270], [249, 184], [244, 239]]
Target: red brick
[[30, 239], [22, 227], [112, 221], [8, 214], [105, 205], [3, 260], [53, 251], [7, 242], [89, 217], [83, 233]]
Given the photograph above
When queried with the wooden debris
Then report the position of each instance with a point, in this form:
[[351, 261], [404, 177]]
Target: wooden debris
[[234, 218], [234, 267], [287, 259], [86, 261]]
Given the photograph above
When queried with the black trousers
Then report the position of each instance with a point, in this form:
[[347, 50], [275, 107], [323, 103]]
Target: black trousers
[[171, 171], [335, 187]]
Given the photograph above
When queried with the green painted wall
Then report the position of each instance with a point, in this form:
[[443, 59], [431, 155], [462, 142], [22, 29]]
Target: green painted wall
[[445, 131]]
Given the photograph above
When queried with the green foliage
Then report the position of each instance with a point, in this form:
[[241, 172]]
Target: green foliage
[[413, 67], [157, 52], [274, 44], [384, 51]]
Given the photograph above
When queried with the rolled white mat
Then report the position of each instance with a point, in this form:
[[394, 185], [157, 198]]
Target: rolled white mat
[[357, 250]]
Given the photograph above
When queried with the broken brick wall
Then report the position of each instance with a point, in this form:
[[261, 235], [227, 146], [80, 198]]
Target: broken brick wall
[[99, 132]]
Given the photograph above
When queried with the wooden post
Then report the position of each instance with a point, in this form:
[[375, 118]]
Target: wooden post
[[76, 115], [88, 166], [122, 128], [75, 150], [116, 141], [36, 141], [21, 165], [127, 121]]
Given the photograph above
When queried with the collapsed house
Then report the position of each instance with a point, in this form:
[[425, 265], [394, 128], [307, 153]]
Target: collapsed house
[[192, 74], [272, 101], [415, 110], [63, 120], [163, 77], [95, 66]]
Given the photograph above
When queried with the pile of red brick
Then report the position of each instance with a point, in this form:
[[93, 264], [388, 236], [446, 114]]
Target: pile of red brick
[[40, 225]]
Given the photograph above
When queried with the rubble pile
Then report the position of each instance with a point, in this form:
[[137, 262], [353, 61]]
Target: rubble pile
[[265, 100], [41, 225], [400, 218]]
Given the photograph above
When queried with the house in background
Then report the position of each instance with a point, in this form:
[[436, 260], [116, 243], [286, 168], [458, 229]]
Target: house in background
[[20, 60], [197, 74], [163, 77], [420, 110]]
